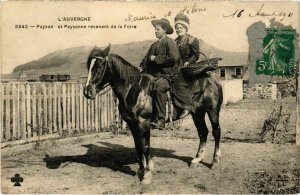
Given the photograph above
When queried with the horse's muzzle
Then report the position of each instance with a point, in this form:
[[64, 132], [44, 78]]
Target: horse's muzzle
[[89, 92]]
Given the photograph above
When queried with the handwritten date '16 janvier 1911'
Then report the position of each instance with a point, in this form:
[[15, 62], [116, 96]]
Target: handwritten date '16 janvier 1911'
[[260, 13]]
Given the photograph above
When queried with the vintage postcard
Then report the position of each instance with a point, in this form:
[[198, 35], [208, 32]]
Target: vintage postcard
[[181, 97]]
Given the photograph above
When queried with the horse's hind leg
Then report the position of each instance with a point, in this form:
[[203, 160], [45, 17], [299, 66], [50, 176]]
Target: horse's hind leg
[[199, 120], [214, 119]]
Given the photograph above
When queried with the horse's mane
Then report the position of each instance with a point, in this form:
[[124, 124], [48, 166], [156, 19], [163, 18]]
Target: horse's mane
[[127, 72]]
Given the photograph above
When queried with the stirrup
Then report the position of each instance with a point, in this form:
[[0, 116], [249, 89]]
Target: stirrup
[[184, 114]]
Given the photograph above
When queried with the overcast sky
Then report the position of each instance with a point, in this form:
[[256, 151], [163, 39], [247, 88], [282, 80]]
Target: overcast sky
[[207, 22]]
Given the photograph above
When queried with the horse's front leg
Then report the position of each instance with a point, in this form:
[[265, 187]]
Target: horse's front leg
[[141, 135], [148, 165]]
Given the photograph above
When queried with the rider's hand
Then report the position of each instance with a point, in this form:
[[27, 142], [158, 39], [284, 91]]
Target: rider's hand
[[186, 64], [152, 57]]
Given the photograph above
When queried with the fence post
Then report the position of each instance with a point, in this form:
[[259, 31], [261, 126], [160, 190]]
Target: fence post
[[55, 110], [104, 109], [14, 111], [7, 112], [97, 112], [39, 110], [73, 111], [23, 112], [64, 106], [108, 109], [34, 109], [59, 108], [45, 110], [69, 124], [1, 111], [92, 105], [116, 113], [28, 111], [89, 114], [100, 111], [77, 101], [85, 114], [50, 108], [81, 102], [18, 111]]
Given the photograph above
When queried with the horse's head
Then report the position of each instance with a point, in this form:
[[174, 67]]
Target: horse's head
[[98, 67]]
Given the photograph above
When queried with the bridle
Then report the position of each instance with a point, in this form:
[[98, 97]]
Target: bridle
[[106, 65], [93, 61]]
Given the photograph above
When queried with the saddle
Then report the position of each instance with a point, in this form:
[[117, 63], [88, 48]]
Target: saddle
[[172, 111]]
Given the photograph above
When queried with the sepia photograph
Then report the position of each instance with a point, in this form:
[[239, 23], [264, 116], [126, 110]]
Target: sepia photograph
[[160, 97]]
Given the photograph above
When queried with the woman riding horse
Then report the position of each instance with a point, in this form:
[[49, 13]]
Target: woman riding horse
[[189, 52]]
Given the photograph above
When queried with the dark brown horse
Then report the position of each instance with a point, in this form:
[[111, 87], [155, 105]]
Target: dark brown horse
[[135, 103]]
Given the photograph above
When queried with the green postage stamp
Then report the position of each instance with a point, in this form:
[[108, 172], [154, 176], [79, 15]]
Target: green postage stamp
[[278, 53]]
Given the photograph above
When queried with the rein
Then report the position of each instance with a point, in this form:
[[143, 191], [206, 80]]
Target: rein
[[105, 68], [198, 51]]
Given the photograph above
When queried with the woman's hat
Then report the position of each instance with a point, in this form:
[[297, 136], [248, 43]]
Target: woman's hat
[[182, 19], [165, 24]]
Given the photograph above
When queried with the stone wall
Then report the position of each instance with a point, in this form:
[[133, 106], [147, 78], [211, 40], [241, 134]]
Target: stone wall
[[287, 89], [270, 90], [260, 91]]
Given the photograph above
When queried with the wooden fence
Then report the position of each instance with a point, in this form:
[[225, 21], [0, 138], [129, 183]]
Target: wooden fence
[[34, 109], [37, 109]]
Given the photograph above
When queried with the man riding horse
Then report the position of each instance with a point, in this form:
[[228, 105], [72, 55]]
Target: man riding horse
[[163, 60]]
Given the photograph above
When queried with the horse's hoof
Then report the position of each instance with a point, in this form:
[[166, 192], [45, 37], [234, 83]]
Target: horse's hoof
[[147, 178], [214, 167], [146, 181], [215, 164], [151, 165], [196, 160]]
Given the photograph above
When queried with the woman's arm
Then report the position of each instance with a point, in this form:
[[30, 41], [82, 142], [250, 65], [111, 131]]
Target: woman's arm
[[194, 49]]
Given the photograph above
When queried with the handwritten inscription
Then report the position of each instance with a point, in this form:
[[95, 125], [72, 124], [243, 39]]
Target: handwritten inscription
[[132, 18], [150, 16], [260, 13], [193, 9]]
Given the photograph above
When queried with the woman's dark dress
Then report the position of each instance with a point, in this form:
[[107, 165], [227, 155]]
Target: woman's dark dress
[[182, 89]]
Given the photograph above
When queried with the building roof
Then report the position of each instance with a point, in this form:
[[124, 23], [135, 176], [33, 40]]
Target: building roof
[[231, 66], [234, 60]]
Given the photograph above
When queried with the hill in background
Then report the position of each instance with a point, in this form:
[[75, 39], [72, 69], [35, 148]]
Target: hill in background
[[73, 60]]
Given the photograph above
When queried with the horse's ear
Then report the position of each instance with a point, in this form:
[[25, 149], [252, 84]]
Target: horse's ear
[[106, 50]]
